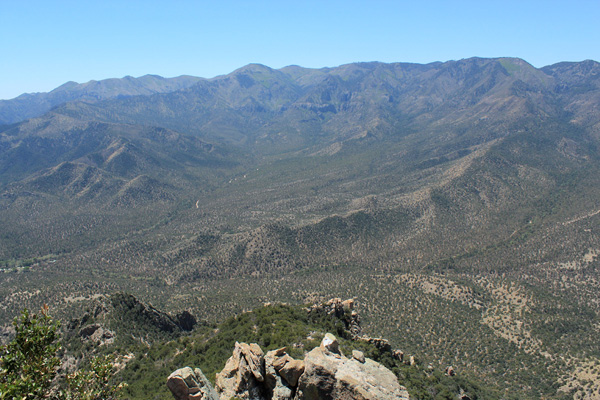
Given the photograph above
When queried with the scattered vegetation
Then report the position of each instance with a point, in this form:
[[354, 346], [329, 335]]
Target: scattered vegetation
[[273, 327], [455, 201]]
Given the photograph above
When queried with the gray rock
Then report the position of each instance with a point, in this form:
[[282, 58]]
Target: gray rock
[[244, 374], [282, 392], [271, 376], [330, 343], [328, 375], [358, 356], [188, 384], [281, 386]]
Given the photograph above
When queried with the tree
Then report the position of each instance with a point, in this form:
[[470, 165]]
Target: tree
[[92, 384], [29, 365]]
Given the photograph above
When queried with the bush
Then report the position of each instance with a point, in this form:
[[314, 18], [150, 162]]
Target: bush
[[29, 365]]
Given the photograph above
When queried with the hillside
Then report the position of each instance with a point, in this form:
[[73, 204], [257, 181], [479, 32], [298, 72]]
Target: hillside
[[152, 344], [31, 105], [455, 201]]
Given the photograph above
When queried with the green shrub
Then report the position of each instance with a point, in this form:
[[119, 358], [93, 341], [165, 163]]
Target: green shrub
[[29, 365]]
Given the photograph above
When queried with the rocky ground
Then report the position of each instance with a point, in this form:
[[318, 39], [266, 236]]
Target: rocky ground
[[324, 373]]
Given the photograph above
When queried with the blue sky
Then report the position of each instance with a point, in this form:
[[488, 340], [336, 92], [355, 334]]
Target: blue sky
[[46, 43]]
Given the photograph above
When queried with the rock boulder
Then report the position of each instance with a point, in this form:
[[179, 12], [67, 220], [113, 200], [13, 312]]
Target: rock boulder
[[244, 373], [324, 374], [188, 384], [328, 375], [277, 387]]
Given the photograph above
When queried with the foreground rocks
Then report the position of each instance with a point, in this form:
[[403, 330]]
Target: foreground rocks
[[244, 373], [330, 375], [325, 373], [188, 384]]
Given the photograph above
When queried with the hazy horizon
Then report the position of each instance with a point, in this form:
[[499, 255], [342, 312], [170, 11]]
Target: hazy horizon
[[47, 44]]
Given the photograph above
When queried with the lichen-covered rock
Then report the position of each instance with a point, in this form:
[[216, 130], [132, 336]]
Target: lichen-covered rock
[[329, 375], [188, 384], [244, 373]]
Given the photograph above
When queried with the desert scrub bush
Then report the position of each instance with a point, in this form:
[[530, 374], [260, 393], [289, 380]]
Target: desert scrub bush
[[29, 365]]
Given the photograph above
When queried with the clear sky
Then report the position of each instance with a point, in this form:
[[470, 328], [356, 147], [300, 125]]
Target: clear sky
[[45, 43]]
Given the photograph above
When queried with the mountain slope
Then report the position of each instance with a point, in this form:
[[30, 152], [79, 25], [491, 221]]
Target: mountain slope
[[253, 104], [126, 150], [103, 175], [456, 200], [31, 105]]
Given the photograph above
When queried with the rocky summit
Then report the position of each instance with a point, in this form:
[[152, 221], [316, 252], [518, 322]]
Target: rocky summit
[[325, 373]]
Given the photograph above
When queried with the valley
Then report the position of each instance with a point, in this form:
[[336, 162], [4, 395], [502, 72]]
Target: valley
[[455, 202]]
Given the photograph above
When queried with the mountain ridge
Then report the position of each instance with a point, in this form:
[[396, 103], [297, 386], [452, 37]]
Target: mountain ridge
[[456, 200], [30, 105]]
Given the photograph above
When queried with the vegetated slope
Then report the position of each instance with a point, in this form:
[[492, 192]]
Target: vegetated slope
[[31, 105], [154, 345], [459, 195], [43, 142], [104, 175], [294, 108]]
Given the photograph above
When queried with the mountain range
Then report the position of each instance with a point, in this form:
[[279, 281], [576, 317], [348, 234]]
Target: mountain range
[[456, 201], [31, 105]]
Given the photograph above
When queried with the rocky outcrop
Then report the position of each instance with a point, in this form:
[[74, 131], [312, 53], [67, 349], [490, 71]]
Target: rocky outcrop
[[342, 310], [330, 375], [325, 373], [97, 334], [244, 374], [345, 310], [282, 374], [120, 315], [128, 307], [188, 384], [381, 344]]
